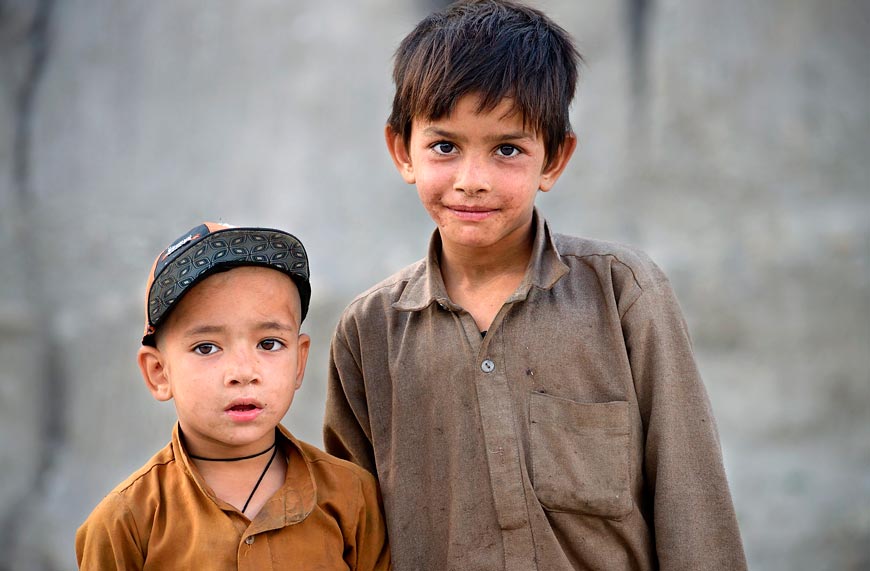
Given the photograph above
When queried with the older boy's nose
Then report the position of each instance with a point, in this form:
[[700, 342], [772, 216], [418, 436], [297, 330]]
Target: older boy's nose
[[472, 176]]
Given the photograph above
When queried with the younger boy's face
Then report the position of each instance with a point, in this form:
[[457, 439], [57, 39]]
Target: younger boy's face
[[477, 174], [231, 356]]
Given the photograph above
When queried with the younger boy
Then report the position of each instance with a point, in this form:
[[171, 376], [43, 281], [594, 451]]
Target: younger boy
[[233, 489], [528, 400]]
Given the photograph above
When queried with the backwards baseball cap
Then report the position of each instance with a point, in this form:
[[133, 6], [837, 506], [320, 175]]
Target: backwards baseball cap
[[212, 247]]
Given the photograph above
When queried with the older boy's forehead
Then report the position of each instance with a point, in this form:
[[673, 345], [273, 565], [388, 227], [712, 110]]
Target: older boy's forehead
[[511, 123], [494, 137]]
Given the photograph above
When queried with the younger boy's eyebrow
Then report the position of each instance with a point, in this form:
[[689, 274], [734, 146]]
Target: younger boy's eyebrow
[[277, 325], [263, 325], [203, 329]]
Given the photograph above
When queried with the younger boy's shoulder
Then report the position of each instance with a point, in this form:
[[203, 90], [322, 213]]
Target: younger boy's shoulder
[[132, 501], [150, 472], [334, 475]]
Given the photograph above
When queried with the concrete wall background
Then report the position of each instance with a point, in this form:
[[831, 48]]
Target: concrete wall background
[[729, 140]]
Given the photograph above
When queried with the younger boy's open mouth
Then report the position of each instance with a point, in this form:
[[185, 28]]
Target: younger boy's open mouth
[[243, 410], [242, 407]]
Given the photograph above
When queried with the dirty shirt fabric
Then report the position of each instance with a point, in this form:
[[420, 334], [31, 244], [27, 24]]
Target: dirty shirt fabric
[[326, 516], [576, 434]]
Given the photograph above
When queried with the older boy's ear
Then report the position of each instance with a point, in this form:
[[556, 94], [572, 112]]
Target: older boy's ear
[[401, 157], [554, 168], [154, 373]]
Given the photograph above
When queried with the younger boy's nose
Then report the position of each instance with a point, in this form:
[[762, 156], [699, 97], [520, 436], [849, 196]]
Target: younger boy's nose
[[241, 369]]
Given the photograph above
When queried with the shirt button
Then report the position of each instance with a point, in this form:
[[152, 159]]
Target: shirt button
[[249, 540], [487, 366]]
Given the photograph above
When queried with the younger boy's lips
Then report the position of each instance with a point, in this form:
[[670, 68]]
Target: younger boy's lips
[[244, 403], [243, 410]]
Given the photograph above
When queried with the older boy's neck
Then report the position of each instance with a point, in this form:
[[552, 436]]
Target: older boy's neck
[[478, 266], [481, 280]]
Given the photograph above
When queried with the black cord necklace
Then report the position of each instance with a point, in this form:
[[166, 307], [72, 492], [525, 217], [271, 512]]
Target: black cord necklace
[[262, 475], [273, 448], [236, 459]]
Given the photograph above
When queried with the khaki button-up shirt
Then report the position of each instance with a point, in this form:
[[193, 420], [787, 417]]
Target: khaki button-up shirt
[[326, 516], [576, 434]]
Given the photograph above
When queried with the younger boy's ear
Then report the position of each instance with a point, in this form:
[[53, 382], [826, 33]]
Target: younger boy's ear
[[302, 346], [554, 168], [154, 372], [401, 157]]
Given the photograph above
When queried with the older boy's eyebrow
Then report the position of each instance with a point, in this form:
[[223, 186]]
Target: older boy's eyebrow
[[510, 136]]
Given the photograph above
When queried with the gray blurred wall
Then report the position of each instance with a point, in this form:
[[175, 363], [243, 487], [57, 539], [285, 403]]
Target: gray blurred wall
[[728, 139]]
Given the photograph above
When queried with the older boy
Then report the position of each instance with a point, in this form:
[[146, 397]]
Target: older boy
[[528, 400], [234, 489]]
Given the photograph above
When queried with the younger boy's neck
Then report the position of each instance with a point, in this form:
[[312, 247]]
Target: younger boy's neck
[[245, 479]]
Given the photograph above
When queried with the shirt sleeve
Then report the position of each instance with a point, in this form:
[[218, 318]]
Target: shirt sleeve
[[693, 515], [108, 538], [346, 429], [372, 552]]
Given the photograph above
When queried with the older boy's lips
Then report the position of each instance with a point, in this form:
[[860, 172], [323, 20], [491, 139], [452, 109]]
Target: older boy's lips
[[471, 213], [244, 410]]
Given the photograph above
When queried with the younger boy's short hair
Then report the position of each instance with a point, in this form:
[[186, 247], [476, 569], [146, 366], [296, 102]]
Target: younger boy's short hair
[[492, 48]]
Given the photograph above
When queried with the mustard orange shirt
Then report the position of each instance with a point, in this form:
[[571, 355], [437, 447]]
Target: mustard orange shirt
[[327, 515]]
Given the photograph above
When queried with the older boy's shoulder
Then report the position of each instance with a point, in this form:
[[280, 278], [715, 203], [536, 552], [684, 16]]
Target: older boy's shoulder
[[388, 290], [581, 246], [604, 254]]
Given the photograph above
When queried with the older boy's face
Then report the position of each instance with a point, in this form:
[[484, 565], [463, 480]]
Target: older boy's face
[[232, 357], [477, 174]]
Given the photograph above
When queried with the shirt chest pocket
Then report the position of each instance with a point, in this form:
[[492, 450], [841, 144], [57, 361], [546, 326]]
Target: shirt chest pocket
[[581, 456]]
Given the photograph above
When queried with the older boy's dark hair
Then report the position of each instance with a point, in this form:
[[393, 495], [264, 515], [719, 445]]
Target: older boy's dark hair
[[492, 48]]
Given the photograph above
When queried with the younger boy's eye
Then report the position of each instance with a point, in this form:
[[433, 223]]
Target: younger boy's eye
[[205, 349], [443, 148], [508, 150], [271, 345]]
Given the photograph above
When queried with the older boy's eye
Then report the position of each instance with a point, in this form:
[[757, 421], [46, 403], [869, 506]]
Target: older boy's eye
[[205, 349], [443, 148], [508, 151], [271, 345]]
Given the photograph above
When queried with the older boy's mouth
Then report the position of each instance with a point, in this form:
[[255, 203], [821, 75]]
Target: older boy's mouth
[[471, 212]]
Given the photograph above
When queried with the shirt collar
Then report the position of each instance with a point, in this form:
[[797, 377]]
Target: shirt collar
[[426, 285], [299, 489]]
